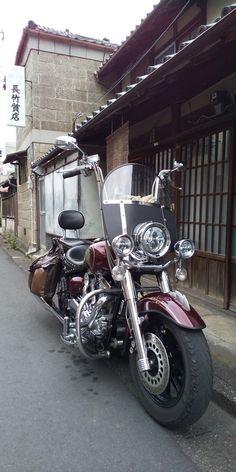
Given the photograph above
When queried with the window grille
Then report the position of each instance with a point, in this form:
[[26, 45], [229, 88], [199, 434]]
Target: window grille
[[166, 52], [203, 201]]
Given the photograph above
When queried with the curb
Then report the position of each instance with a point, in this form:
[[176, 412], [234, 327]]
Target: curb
[[224, 396], [224, 390]]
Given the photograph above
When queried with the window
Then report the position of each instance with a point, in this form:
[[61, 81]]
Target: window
[[162, 159], [165, 52], [190, 35], [203, 203]]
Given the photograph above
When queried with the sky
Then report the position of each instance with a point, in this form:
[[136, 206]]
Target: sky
[[93, 18]]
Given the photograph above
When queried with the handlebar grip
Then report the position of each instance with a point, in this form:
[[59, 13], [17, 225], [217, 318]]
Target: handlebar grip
[[71, 173]]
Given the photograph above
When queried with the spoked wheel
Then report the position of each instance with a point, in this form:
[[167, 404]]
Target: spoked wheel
[[177, 388]]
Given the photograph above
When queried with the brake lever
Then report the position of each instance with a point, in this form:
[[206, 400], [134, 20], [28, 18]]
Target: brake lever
[[166, 180], [174, 186], [178, 166]]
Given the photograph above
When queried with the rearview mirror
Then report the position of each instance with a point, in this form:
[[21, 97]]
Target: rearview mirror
[[66, 143], [178, 166]]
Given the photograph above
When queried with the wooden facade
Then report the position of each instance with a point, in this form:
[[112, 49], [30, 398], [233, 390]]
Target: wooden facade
[[184, 109], [9, 213], [205, 207]]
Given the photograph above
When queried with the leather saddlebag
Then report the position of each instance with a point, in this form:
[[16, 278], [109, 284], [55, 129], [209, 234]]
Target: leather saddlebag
[[44, 272]]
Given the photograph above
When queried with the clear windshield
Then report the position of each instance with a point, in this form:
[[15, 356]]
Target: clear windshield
[[129, 183], [128, 201]]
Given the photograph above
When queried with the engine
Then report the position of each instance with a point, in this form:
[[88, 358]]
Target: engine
[[97, 313], [96, 320]]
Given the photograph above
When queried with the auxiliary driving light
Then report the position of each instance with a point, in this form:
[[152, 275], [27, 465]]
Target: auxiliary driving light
[[122, 245], [181, 274], [184, 248]]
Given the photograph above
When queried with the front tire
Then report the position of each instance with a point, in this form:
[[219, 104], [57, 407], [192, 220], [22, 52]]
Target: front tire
[[177, 389]]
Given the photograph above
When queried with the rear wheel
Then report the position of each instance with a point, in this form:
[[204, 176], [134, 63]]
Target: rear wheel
[[177, 389]]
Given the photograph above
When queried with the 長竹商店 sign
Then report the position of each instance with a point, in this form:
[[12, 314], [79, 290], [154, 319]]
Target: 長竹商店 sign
[[15, 90]]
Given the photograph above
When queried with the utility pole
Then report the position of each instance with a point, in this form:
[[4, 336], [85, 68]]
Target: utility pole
[[2, 35], [2, 87]]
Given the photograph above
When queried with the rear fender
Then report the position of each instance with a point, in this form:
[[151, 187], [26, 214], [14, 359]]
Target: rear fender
[[173, 306]]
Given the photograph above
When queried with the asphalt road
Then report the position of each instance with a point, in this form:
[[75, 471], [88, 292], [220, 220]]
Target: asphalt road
[[62, 413]]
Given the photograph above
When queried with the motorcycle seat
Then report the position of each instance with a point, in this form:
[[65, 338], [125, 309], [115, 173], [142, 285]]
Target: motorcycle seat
[[68, 243], [74, 258]]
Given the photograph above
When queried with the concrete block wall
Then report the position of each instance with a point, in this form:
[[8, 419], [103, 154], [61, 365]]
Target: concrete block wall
[[58, 85], [57, 88]]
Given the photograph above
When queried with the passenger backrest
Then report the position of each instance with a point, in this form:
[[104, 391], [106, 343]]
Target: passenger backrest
[[71, 219]]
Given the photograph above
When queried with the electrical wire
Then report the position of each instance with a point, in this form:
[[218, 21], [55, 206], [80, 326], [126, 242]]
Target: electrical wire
[[146, 52]]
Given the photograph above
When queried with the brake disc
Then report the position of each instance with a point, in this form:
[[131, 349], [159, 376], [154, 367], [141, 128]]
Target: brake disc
[[156, 379]]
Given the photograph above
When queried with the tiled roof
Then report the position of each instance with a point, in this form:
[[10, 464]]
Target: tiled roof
[[32, 29], [140, 79], [225, 10], [68, 34], [202, 29], [50, 154], [127, 39]]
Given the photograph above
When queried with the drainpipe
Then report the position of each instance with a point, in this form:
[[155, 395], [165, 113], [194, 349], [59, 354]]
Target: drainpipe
[[34, 250], [37, 212]]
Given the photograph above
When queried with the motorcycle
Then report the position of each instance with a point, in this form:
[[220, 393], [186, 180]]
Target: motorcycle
[[114, 294]]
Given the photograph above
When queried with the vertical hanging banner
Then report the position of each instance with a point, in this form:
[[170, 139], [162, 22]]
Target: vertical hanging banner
[[15, 91]]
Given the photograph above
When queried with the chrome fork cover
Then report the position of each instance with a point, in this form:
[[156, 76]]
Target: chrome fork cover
[[156, 379]]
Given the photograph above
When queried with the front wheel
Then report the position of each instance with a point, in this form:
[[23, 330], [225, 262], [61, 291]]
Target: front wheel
[[177, 389]]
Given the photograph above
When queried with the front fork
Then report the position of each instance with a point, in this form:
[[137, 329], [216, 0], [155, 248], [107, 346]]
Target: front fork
[[129, 293]]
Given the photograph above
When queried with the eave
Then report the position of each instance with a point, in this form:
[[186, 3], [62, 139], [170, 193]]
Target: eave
[[15, 157], [146, 34], [50, 156], [164, 76]]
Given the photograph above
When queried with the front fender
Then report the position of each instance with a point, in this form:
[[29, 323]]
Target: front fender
[[173, 306]]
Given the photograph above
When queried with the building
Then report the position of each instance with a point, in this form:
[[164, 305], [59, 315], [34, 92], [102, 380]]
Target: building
[[173, 83], [174, 98], [59, 84], [8, 205]]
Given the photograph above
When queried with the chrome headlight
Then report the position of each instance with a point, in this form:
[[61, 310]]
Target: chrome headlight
[[152, 238], [184, 248], [122, 245]]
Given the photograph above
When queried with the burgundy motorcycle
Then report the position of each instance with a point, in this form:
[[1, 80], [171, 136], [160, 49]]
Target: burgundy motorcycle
[[114, 294]]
